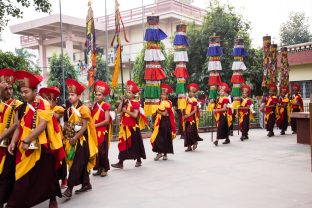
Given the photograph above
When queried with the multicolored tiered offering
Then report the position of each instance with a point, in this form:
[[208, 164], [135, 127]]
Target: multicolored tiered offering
[[214, 65], [238, 67], [153, 69], [181, 58]]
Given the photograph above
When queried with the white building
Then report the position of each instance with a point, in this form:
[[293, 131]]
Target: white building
[[44, 34]]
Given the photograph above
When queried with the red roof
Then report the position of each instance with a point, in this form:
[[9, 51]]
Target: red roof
[[297, 58]]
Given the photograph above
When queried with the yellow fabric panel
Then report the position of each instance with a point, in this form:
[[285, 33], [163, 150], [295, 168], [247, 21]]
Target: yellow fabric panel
[[181, 103], [27, 162], [2, 164], [124, 135], [236, 104], [7, 113], [229, 119], [210, 107], [156, 128], [149, 109], [59, 110], [92, 138]]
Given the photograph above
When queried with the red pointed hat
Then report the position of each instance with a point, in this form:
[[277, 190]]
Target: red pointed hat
[[7, 75], [27, 79], [224, 86], [166, 88], [273, 87], [296, 86], [285, 88], [50, 92], [132, 86], [245, 88], [74, 86], [102, 87], [193, 87]]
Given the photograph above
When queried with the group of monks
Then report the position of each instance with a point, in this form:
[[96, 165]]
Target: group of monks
[[277, 108], [42, 143]]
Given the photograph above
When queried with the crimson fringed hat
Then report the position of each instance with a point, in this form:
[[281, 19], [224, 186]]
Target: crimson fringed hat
[[102, 87], [245, 88], [27, 79], [132, 86], [296, 86], [50, 92], [224, 86], [273, 87], [285, 89], [166, 88], [7, 75], [194, 87], [74, 86]]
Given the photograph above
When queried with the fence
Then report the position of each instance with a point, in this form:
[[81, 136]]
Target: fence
[[206, 121]]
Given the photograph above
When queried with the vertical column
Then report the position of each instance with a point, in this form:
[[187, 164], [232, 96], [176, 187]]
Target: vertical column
[[310, 110], [69, 46], [43, 58]]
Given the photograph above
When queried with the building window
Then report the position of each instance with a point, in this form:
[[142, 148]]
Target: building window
[[305, 88]]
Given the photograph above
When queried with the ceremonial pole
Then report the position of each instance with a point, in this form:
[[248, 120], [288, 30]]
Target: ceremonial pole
[[214, 67], [118, 57], [62, 53], [91, 47], [153, 68]]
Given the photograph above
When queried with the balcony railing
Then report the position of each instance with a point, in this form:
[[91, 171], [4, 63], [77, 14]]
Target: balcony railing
[[159, 8]]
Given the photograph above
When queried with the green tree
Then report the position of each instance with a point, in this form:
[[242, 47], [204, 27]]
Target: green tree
[[255, 69], [102, 71], [23, 52], [56, 74], [14, 9], [295, 30], [10, 60], [225, 22]]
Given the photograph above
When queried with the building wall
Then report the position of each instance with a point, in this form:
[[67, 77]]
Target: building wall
[[300, 72]]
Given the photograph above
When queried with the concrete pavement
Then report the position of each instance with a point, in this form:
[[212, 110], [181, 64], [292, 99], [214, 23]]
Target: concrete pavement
[[260, 172]]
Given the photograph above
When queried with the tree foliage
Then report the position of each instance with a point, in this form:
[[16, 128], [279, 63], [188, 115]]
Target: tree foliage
[[56, 74], [221, 20], [10, 60], [295, 30], [102, 71], [9, 9], [16, 62]]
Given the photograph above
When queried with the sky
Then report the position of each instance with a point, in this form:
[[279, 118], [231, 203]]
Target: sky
[[265, 16]]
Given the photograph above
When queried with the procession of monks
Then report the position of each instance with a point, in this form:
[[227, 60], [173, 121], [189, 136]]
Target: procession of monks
[[45, 147]]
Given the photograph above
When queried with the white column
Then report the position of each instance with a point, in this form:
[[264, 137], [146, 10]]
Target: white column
[[43, 58], [69, 45]]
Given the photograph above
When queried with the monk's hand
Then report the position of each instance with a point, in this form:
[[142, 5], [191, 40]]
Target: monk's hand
[[124, 109], [11, 148], [72, 141], [25, 146]]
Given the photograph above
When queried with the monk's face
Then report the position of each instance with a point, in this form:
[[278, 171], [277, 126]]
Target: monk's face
[[28, 94], [163, 96], [130, 95], [7, 92], [99, 97], [73, 98]]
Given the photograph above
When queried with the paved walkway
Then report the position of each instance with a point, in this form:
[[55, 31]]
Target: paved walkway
[[261, 172]]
